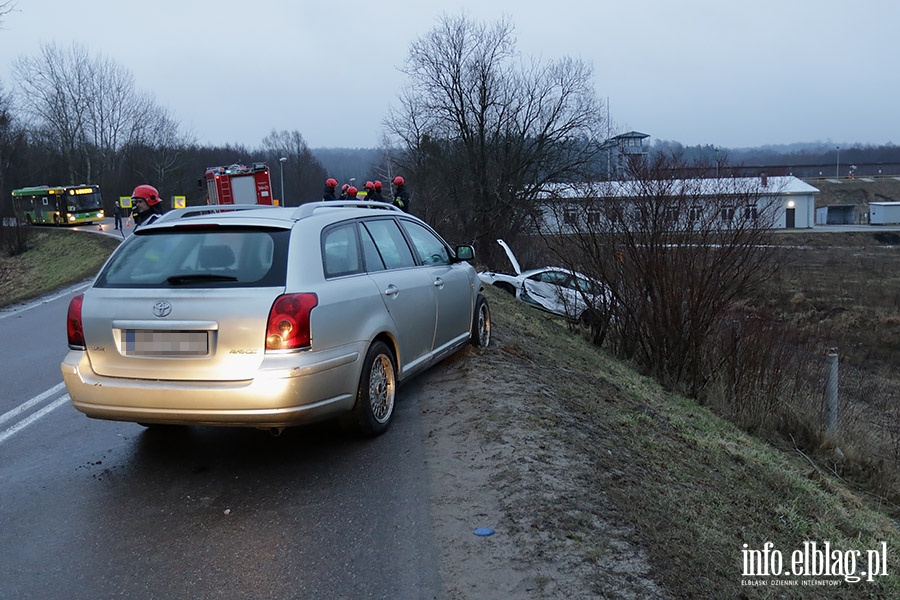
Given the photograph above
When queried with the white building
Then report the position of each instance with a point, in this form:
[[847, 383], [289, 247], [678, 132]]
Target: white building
[[789, 203], [884, 213]]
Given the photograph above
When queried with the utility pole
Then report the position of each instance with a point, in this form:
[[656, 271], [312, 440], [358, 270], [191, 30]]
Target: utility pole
[[281, 161]]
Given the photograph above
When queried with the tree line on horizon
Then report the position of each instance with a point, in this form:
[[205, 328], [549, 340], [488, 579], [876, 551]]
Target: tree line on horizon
[[477, 133]]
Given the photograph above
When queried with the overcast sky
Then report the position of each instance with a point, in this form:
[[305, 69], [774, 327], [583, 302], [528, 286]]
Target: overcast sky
[[720, 72]]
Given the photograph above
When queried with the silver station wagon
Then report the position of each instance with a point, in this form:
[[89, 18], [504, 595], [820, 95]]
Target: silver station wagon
[[269, 317]]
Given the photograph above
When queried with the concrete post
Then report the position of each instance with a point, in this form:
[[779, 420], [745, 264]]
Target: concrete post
[[831, 391]]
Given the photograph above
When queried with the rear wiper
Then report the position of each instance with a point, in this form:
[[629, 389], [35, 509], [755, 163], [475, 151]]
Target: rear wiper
[[194, 277]]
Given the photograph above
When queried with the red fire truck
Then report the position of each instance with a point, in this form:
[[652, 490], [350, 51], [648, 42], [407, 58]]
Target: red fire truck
[[239, 184]]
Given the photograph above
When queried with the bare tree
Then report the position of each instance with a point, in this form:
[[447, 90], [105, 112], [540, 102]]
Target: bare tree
[[90, 109], [53, 93], [6, 7], [304, 174], [12, 141], [676, 253], [481, 132], [157, 154]]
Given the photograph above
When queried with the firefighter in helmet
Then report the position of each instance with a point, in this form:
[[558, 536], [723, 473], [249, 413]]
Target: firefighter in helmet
[[147, 205], [376, 194], [370, 190], [344, 189], [351, 192], [401, 196], [330, 185]]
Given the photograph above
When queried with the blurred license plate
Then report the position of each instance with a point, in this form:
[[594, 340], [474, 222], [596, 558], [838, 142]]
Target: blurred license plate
[[142, 342]]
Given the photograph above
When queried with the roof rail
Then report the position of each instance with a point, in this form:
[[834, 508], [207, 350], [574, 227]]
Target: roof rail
[[308, 208], [197, 211]]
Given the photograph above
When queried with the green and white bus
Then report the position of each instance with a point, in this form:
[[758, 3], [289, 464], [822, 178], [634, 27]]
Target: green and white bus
[[63, 205]]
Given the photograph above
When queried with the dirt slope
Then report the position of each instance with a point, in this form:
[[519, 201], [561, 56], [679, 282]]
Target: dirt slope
[[503, 451], [599, 484]]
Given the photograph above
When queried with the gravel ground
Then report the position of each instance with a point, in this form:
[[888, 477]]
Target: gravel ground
[[503, 451]]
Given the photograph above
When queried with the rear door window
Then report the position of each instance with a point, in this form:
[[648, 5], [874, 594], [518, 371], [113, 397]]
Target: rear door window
[[373, 259], [390, 243]]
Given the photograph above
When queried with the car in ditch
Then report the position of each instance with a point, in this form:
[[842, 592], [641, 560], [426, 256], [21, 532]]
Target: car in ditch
[[269, 317], [557, 290]]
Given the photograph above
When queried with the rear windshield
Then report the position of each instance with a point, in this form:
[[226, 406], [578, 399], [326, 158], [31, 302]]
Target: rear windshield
[[199, 258]]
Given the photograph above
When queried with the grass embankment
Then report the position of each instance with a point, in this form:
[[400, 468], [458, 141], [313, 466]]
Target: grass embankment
[[55, 259], [692, 487]]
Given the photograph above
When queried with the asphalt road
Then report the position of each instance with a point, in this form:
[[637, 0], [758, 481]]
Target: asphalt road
[[94, 509]]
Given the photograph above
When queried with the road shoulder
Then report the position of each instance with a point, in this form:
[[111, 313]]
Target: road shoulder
[[502, 453]]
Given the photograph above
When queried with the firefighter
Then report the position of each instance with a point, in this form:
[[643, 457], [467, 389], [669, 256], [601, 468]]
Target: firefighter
[[376, 194], [370, 190], [330, 185], [344, 189], [351, 192], [147, 205], [401, 196]]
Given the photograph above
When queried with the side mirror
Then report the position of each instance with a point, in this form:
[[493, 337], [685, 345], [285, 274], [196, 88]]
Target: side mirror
[[465, 253]]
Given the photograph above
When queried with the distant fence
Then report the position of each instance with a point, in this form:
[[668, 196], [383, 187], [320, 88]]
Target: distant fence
[[822, 170], [858, 405]]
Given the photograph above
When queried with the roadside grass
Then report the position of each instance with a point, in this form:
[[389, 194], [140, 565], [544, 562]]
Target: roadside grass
[[844, 288], [841, 291], [692, 488], [56, 258]]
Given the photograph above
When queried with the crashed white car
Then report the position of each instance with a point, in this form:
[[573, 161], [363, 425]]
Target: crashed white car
[[555, 289]]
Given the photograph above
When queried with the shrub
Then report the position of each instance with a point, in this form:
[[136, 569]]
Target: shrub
[[14, 237]]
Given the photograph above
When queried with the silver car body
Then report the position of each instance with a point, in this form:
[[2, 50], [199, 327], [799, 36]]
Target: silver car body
[[554, 289], [195, 353]]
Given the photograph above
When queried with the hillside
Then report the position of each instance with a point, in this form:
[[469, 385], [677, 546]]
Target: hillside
[[600, 484], [855, 191]]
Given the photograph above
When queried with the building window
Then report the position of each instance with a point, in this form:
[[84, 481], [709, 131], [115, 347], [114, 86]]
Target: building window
[[728, 214], [671, 214], [695, 213]]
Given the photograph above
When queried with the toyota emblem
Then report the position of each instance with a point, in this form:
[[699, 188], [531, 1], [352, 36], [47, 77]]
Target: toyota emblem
[[162, 309]]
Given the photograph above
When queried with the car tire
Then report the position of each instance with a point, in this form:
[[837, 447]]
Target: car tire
[[376, 394], [481, 323], [589, 318]]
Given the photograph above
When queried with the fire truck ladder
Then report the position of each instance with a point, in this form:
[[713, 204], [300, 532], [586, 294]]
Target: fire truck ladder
[[227, 196]]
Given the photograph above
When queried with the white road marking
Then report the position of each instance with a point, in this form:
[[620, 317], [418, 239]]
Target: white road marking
[[11, 431], [36, 400]]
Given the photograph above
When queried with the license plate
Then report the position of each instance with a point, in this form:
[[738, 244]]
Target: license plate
[[142, 342]]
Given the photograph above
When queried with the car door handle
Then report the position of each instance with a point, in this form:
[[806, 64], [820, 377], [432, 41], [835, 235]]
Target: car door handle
[[392, 291], [438, 283]]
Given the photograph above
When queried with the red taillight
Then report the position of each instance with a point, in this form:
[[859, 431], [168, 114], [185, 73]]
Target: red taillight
[[288, 326], [74, 329]]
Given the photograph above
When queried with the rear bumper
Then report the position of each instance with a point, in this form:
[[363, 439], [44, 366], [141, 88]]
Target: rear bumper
[[303, 393]]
